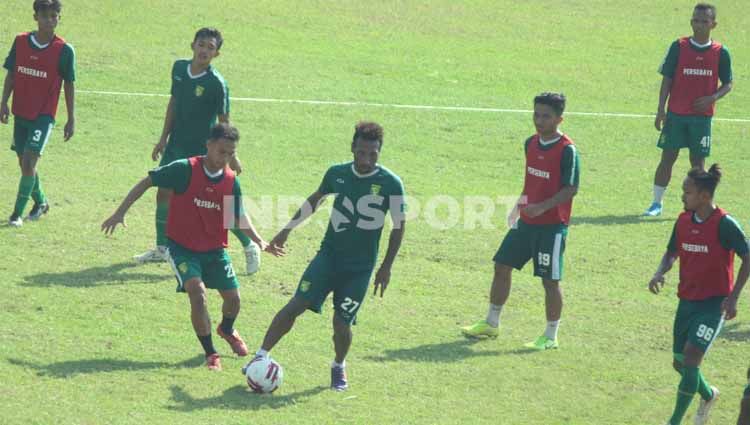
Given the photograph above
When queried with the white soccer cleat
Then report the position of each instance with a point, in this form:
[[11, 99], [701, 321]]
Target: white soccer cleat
[[15, 221], [704, 408], [252, 258], [156, 255]]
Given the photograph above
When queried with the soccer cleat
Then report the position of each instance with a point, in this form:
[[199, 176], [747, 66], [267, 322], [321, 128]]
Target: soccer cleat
[[480, 329], [542, 343], [235, 341], [252, 258], [15, 220], [156, 255], [338, 379], [654, 210], [213, 361], [37, 211], [704, 408]]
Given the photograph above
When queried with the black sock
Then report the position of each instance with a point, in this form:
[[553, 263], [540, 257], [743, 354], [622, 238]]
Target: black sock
[[227, 325], [207, 343]]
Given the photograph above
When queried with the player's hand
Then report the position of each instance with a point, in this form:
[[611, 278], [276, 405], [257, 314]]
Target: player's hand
[[108, 227], [729, 307], [275, 250], [280, 239], [70, 128], [4, 113], [661, 117], [515, 213], [656, 283], [158, 150], [533, 210], [235, 165], [702, 104], [382, 278]]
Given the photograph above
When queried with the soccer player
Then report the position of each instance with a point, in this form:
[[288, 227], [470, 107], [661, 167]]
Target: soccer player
[[705, 238], [744, 417], [691, 72], [550, 183], [197, 232], [39, 64], [199, 96], [365, 191]]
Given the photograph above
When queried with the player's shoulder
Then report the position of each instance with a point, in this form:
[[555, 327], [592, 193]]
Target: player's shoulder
[[180, 66], [388, 174], [339, 168]]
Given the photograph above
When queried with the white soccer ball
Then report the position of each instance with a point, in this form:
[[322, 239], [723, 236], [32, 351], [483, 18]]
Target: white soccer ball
[[264, 375]]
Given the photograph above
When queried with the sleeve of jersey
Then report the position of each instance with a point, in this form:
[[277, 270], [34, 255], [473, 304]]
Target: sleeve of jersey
[[326, 186], [175, 176], [239, 209], [571, 165], [68, 63], [732, 236], [173, 88], [725, 66], [672, 245], [10, 61], [669, 64], [397, 202], [223, 101]]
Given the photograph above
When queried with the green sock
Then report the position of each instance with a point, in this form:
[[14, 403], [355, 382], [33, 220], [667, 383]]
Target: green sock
[[703, 388], [244, 239], [162, 212], [685, 392], [25, 186], [37, 194]]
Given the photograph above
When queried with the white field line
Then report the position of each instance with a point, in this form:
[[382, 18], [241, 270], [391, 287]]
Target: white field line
[[398, 105]]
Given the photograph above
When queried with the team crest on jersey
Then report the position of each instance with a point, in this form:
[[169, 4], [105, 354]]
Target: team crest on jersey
[[183, 268], [304, 286], [199, 91], [375, 189]]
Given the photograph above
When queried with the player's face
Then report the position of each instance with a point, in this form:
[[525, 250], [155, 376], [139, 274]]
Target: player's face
[[702, 22], [366, 153], [692, 197], [204, 50], [546, 120], [219, 152], [47, 20]]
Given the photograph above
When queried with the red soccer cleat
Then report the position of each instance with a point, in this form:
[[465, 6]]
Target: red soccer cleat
[[213, 361], [235, 341]]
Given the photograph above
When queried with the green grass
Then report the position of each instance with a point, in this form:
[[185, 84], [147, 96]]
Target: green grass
[[88, 338]]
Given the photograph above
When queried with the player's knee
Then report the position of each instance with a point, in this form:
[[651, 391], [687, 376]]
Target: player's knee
[[341, 326], [551, 285], [295, 307], [669, 157], [677, 365]]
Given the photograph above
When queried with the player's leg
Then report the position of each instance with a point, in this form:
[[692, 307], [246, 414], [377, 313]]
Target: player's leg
[[548, 245], [201, 321], [348, 296], [219, 274], [282, 323], [744, 417], [673, 137], [342, 341], [699, 138], [29, 139]]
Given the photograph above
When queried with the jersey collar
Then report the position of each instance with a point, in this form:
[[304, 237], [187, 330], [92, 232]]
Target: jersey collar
[[370, 174], [193, 77], [32, 38]]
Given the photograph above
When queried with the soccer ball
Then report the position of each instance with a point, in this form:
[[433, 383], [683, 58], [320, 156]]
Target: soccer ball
[[264, 375]]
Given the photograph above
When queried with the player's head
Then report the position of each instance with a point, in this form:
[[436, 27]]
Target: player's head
[[206, 45], [221, 145], [47, 14], [703, 20], [548, 110], [366, 144], [699, 186]]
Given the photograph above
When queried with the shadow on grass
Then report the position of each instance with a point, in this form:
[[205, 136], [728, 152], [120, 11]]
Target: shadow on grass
[[72, 368], [239, 397], [116, 274], [440, 353], [616, 220], [735, 332]]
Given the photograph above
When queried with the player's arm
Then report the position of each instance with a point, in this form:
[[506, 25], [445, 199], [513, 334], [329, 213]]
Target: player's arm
[[108, 227], [383, 275], [665, 265], [168, 124], [661, 110], [305, 210], [70, 104], [242, 220], [729, 306], [7, 90]]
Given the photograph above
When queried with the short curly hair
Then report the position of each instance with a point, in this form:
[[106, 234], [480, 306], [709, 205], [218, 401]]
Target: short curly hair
[[368, 130]]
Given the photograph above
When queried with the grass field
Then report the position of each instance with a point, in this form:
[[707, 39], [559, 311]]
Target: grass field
[[87, 337]]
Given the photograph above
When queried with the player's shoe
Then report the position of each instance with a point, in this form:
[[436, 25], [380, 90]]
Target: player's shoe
[[338, 379], [156, 255], [542, 343], [480, 329], [654, 210], [252, 258], [15, 220], [235, 341], [37, 211], [704, 408], [213, 361]]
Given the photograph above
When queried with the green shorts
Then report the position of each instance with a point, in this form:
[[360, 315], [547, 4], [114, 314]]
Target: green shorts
[[348, 283], [214, 268], [687, 131], [174, 151], [545, 244], [31, 135], [698, 322]]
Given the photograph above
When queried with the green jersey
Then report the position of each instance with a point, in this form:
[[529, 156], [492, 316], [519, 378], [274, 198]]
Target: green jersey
[[199, 100], [359, 210], [176, 176]]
